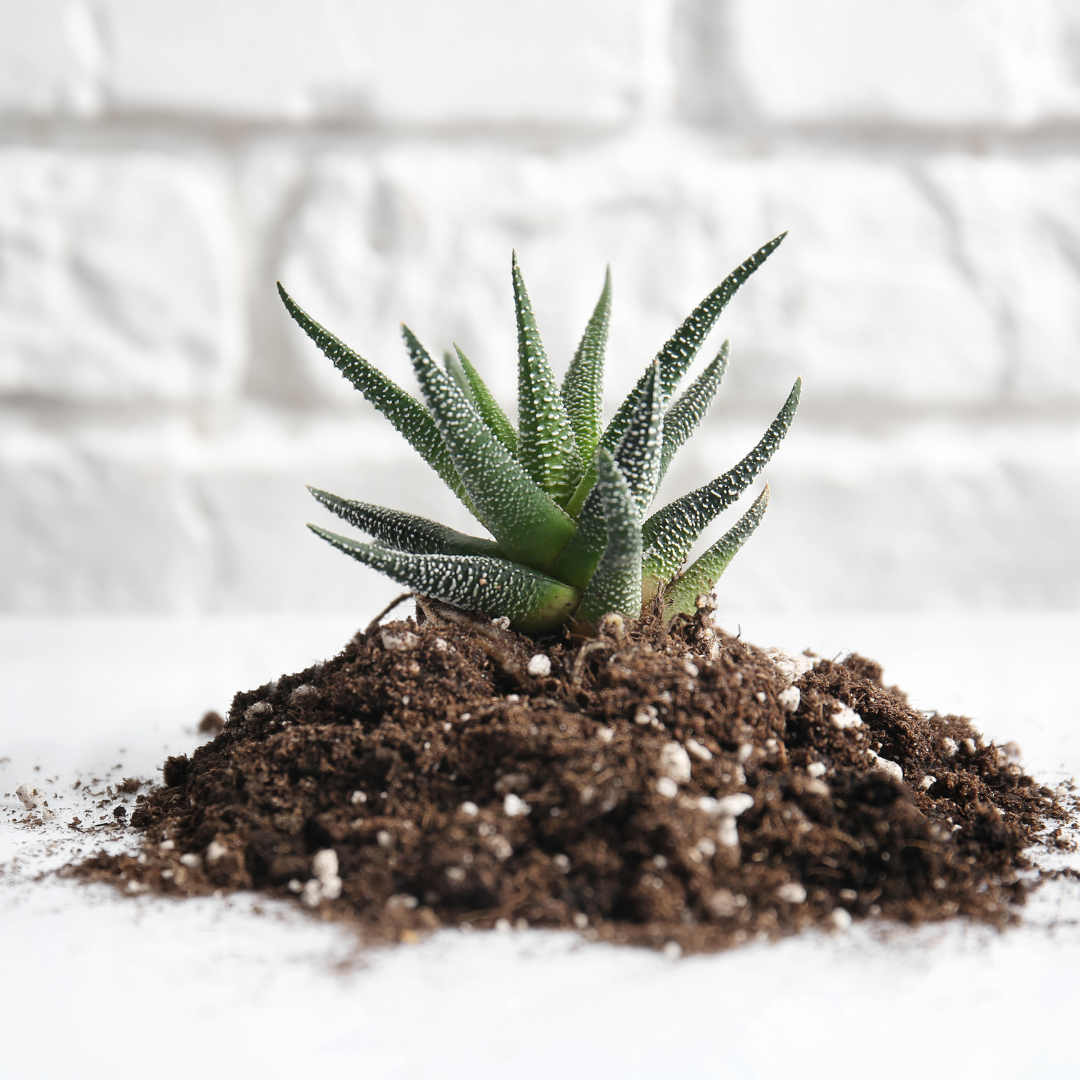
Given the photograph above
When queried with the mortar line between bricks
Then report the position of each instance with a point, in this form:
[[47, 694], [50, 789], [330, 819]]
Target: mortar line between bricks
[[742, 140]]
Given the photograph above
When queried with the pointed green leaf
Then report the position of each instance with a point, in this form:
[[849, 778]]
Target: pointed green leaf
[[547, 446], [487, 406], [638, 453], [578, 562], [402, 410], [670, 532], [456, 372], [678, 354], [581, 492], [639, 450], [532, 601], [582, 388], [616, 584], [701, 576], [685, 415], [407, 532], [529, 527]]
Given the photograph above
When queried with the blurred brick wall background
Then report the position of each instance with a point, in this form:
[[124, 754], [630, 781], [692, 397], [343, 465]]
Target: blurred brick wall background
[[161, 164]]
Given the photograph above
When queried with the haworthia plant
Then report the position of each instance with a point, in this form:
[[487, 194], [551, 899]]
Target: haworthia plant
[[566, 501]]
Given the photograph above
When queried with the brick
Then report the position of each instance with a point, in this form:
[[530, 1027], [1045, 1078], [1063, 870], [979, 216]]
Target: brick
[[413, 61], [948, 284], [923, 62], [146, 517], [118, 282], [50, 58]]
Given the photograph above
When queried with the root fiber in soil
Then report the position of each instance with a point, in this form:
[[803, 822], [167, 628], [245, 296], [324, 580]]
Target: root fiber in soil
[[649, 787]]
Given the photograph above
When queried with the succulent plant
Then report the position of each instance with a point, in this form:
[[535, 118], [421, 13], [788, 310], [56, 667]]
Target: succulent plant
[[566, 500]]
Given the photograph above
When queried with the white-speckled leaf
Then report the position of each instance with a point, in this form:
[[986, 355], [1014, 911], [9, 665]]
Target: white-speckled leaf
[[685, 415], [532, 601], [582, 388], [546, 443], [403, 411], [678, 354], [407, 532], [529, 527], [452, 363], [701, 576], [670, 533], [486, 405], [616, 584], [639, 450]]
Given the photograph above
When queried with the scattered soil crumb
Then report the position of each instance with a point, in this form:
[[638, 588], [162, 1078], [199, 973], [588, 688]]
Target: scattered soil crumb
[[212, 723], [652, 787]]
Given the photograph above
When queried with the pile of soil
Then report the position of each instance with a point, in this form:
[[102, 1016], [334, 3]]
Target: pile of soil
[[674, 788]]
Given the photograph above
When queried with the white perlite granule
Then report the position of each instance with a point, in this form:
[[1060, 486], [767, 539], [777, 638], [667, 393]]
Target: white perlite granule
[[667, 787], [789, 699], [727, 833], [884, 765], [791, 892], [515, 806], [702, 753], [30, 797], [789, 666], [215, 852], [325, 884], [840, 918], [539, 666], [259, 710], [398, 640], [845, 718], [815, 770], [928, 782], [728, 805], [646, 714], [675, 762]]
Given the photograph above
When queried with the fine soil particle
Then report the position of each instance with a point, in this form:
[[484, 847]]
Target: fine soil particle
[[668, 788]]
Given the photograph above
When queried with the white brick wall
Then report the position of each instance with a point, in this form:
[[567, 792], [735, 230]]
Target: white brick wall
[[118, 279], [161, 165]]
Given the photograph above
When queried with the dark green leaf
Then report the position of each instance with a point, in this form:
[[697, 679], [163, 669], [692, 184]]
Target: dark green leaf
[[616, 584], [403, 411], [452, 363], [639, 450], [407, 532], [701, 576], [532, 601], [678, 354], [582, 388], [529, 527], [487, 406], [547, 447], [670, 532], [685, 415]]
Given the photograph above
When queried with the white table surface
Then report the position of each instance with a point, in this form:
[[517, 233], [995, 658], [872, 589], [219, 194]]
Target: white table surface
[[96, 985]]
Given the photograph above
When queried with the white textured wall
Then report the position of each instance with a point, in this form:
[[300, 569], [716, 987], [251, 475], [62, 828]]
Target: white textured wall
[[161, 164]]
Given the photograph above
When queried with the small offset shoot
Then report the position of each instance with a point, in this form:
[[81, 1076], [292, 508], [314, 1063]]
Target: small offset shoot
[[567, 502]]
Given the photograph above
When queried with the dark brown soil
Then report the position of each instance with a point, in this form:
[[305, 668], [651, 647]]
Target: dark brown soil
[[425, 778]]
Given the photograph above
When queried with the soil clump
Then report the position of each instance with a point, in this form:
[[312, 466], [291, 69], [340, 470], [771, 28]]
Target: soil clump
[[675, 788]]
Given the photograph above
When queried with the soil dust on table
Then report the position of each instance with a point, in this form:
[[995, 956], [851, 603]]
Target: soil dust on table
[[675, 788]]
